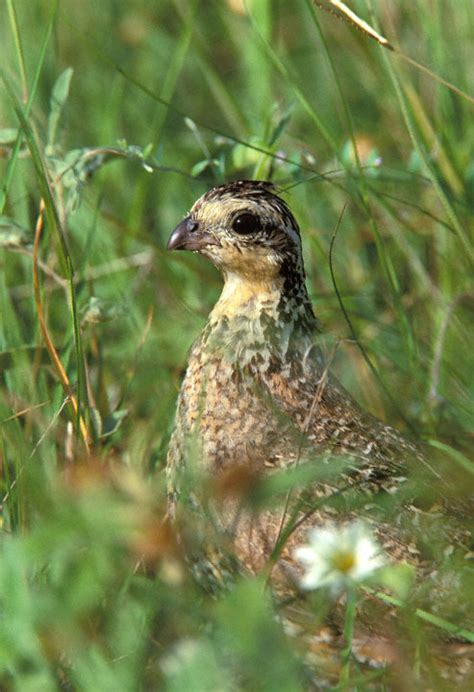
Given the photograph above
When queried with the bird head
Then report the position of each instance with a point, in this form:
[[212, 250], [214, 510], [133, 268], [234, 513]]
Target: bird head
[[251, 236], [246, 230]]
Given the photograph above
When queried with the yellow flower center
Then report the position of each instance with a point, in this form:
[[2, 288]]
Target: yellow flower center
[[343, 561]]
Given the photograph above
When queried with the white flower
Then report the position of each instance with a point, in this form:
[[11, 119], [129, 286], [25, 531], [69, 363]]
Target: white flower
[[338, 557]]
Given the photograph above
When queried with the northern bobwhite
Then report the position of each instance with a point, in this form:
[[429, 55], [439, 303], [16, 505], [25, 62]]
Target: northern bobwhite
[[257, 396]]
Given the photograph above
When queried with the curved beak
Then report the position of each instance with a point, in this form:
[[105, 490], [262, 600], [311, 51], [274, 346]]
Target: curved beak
[[188, 235]]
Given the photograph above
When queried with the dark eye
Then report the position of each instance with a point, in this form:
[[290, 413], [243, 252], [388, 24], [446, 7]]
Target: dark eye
[[246, 223]]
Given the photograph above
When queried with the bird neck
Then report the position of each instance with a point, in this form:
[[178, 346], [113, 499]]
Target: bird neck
[[261, 315], [247, 296]]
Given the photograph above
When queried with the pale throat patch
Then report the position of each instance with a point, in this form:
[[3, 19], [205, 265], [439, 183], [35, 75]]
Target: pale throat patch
[[247, 294]]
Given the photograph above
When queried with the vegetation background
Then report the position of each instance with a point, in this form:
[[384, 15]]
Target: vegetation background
[[119, 115]]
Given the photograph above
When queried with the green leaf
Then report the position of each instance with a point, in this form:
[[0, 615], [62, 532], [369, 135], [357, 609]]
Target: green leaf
[[199, 167], [397, 578], [58, 99], [96, 419], [192, 660], [279, 128], [248, 630], [98, 310], [455, 454], [8, 135], [12, 235], [112, 423]]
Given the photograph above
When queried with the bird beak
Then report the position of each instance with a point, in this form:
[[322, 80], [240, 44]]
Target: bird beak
[[188, 235]]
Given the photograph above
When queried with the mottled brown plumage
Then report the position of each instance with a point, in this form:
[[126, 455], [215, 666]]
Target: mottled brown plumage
[[257, 394]]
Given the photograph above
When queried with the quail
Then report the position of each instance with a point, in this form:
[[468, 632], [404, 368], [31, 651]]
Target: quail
[[258, 396]]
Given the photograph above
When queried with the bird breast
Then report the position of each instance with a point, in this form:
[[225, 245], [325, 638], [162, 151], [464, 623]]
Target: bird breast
[[226, 411]]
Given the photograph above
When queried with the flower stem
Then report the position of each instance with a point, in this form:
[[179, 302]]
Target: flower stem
[[351, 603]]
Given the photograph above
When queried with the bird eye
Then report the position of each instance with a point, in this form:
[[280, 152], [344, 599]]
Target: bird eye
[[246, 223]]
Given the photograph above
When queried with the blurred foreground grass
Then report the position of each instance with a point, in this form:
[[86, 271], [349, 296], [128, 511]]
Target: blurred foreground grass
[[175, 97]]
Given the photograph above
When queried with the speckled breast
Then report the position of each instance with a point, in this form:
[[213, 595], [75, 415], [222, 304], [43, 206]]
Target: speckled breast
[[231, 418]]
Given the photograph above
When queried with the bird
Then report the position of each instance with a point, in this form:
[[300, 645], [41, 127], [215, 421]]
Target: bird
[[258, 396]]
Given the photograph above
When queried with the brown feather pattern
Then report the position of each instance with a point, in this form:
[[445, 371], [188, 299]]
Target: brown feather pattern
[[258, 395]]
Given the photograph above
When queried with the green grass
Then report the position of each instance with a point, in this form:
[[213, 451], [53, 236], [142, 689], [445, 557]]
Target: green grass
[[118, 115]]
